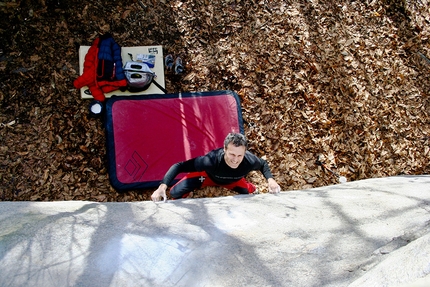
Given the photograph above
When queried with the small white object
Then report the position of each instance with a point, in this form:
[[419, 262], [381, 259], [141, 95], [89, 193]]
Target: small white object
[[342, 179], [147, 59], [96, 108]]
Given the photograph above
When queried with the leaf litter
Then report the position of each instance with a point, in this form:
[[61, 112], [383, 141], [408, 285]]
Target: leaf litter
[[346, 82]]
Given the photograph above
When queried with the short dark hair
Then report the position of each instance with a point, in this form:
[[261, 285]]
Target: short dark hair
[[236, 139]]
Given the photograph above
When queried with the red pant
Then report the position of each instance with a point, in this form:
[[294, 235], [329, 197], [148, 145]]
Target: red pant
[[196, 180]]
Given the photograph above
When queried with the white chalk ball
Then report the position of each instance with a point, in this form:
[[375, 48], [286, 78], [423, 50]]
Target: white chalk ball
[[96, 108]]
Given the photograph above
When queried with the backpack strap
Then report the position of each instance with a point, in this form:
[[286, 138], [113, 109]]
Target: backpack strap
[[159, 86]]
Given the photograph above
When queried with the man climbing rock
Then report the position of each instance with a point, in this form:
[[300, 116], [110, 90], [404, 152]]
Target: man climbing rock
[[225, 167]]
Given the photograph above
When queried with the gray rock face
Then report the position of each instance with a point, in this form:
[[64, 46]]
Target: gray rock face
[[373, 232], [404, 264]]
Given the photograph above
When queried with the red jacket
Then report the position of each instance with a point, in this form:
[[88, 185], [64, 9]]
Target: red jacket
[[98, 86]]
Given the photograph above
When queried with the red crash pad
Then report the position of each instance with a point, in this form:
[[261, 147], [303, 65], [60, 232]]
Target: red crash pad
[[146, 134]]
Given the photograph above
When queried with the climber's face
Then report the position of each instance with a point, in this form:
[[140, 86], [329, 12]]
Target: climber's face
[[233, 155]]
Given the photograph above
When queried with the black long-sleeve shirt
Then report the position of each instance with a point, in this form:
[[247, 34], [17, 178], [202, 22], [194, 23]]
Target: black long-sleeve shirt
[[214, 165]]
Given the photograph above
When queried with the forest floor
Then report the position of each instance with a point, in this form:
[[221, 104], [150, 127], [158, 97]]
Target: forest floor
[[345, 82]]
